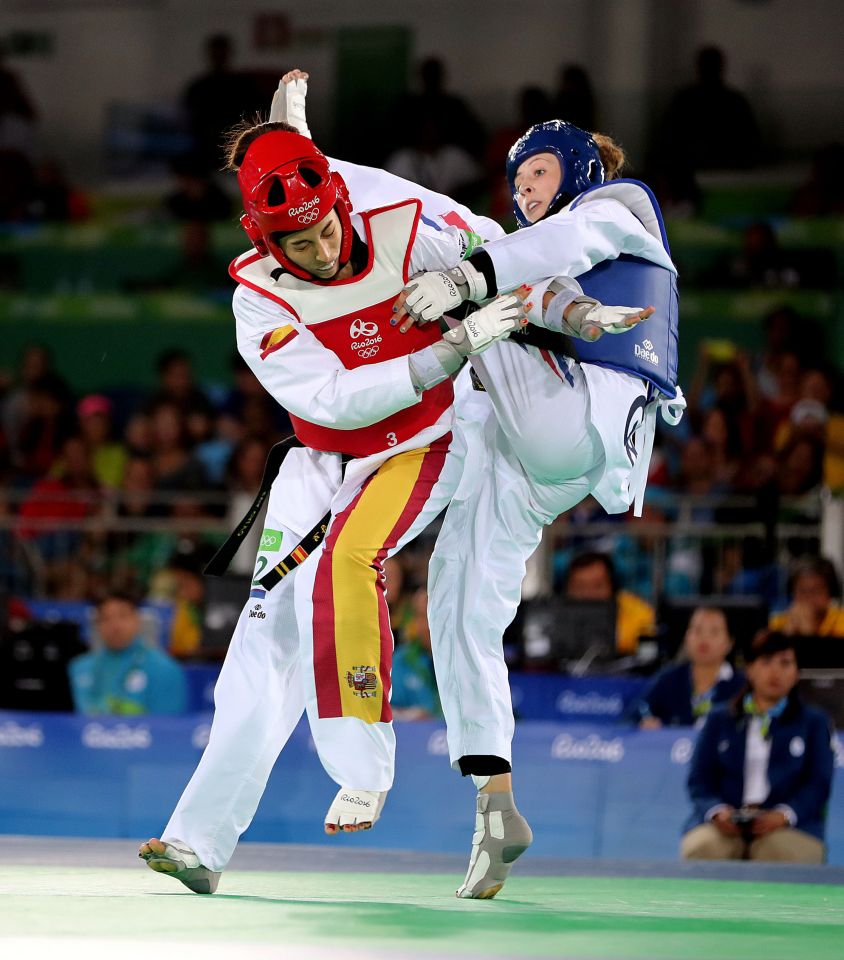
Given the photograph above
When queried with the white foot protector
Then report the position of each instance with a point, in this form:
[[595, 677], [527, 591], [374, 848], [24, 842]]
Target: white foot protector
[[351, 807], [501, 836]]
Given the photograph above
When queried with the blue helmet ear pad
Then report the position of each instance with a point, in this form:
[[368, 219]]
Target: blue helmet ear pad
[[577, 151]]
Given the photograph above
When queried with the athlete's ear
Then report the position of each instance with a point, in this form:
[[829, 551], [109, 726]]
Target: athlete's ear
[[253, 231]]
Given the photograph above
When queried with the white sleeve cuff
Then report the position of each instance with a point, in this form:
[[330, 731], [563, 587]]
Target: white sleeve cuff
[[790, 815], [710, 813], [426, 370]]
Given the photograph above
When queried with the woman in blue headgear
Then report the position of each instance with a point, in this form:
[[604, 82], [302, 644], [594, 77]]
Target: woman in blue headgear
[[544, 430]]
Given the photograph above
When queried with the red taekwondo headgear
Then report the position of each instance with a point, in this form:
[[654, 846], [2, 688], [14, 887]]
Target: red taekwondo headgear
[[287, 185]]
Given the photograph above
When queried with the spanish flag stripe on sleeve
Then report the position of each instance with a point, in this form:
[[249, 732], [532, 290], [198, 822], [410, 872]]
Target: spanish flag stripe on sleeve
[[276, 339]]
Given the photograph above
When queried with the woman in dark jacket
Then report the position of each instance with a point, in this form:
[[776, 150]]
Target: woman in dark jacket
[[761, 774], [682, 694]]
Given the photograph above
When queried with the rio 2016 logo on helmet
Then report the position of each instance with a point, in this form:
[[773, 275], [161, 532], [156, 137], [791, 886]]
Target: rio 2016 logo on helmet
[[577, 152], [287, 185]]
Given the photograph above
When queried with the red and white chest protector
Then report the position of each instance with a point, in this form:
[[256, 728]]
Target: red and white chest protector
[[352, 319]]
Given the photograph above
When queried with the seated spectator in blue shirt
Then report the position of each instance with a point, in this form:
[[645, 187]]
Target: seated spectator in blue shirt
[[125, 676], [683, 693], [414, 686], [761, 773]]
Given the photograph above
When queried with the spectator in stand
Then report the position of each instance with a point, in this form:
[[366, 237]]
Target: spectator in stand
[[138, 435], [125, 676], [761, 773], [47, 424], [775, 410], [707, 105], [414, 686], [35, 373], [180, 582], [800, 466], [95, 425], [176, 384], [137, 553], [683, 693], [196, 197], [239, 410], [444, 142], [761, 262], [592, 576], [56, 199], [17, 188], [810, 413], [244, 472], [72, 494], [814, 589], [17, 113], [574, 100], [217, 100], [722, 435], [823, 193], [434, 163], [210, 448], [533, 106], [455, 122], [175, 467], [783, 335]]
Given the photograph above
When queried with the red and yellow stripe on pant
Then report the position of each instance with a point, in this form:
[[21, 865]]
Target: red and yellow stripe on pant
[[353, 643]]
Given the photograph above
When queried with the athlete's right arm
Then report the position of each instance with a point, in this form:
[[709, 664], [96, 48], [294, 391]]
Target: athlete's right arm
[[309, 380]]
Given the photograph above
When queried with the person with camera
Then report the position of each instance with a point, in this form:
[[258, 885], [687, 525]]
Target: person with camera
[[761, 773]]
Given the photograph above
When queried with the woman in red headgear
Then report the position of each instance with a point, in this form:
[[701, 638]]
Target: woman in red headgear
[[379, 452]]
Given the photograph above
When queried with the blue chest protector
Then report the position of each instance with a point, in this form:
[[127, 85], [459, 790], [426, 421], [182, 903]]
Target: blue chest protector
[[649, 351]]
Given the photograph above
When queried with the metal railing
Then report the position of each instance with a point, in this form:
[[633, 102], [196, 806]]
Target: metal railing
[[40, 555]]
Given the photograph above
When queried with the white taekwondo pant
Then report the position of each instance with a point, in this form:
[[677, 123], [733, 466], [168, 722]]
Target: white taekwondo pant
[[319, 640]]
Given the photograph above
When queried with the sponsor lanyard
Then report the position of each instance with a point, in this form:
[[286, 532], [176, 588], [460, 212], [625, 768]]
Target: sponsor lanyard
[[752, 710]]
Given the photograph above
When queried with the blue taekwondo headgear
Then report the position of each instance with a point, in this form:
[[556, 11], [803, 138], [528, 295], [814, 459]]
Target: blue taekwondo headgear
[[577, 152]]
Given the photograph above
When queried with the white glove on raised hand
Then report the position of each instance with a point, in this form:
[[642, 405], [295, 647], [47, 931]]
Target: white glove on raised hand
[[430, 295], [588, 319], [288, 104], [482, 328]]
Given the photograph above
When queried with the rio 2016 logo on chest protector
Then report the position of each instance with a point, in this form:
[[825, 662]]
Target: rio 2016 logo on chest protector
[[365, 338], [307, 212]]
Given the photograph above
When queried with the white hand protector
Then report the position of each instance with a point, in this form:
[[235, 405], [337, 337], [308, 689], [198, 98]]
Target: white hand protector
[[482, 328], [430, 295], [589, 320], [288, 104]]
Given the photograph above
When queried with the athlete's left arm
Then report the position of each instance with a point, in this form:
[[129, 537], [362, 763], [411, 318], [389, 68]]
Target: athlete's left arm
[[441, 249], [568, 244]]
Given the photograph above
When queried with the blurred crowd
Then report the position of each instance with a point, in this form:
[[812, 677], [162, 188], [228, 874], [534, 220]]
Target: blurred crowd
[[131, 491]]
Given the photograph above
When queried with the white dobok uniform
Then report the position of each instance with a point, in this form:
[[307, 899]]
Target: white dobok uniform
[[548, 432], [320, 639]]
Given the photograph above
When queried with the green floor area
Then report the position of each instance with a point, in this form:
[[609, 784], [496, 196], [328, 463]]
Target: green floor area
[[391, 915]]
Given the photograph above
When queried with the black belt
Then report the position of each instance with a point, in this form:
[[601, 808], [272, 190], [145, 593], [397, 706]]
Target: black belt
[[219, 563]]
